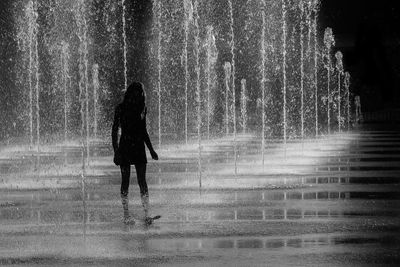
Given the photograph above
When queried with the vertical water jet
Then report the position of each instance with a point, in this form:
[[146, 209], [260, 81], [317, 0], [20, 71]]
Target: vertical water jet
[[228, 73], [80, 13], [301, 6], [232, 44], [339, 68], [65, 57], [37, 98], [347, 87], [284, 32], [95, 78], [308, 22], [86, 75], [188, 9], [124, 44], [210, 38], [31, 14], [159, 72], [329, 42], [263, 80], [198, 89], [315, 36], [243, 105]]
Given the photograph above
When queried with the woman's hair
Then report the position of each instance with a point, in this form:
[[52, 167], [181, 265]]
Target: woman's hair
[[135, 91]]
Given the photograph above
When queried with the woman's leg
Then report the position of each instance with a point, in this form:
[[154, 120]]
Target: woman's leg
[[141, 178], [144, 193], [125, 175]]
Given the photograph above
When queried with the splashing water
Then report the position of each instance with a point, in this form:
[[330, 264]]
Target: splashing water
[[198, 89], [125, 44], [37, 105], [279, 76], [329, 42], [232, 43], [281, 21], [31, 14], [302, 7], [315, 33], [188, 9], [65, 58], [158, 11], [95, 77], [211, 59], [284, 33], [263, 80], [228, 73], [243, 105], [347, 78], [83, 81], [339, 68]]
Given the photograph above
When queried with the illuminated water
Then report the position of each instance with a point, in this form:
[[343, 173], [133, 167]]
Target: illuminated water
[[329, 42], [157, 12], [284, 88], [302, 60], [188, 9], [198, 90], [271, 170], [263, 81], [315, 5], [177, 73], [348, 105], [243, 105], [340, 72]]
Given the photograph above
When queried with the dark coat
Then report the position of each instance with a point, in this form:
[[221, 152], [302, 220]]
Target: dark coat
[[130, 150]]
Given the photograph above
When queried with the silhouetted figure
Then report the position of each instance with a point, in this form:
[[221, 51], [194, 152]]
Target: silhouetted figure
[[130, 115]]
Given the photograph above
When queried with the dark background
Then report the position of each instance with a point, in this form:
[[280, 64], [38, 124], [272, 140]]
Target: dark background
[[368, 34]]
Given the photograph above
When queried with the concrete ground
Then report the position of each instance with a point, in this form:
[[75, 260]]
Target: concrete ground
[[331, 201]]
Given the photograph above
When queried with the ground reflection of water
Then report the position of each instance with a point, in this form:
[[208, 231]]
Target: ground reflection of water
[[268, 243], [323, 205]]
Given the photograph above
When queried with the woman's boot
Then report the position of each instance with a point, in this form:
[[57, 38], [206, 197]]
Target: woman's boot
[[146, 207], [125, 205]]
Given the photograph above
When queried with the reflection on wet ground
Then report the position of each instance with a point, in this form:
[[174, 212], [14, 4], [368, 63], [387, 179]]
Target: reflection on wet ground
[[339, 194]]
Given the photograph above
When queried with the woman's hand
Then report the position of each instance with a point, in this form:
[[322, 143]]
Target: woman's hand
[[117, 158], [154, 155]]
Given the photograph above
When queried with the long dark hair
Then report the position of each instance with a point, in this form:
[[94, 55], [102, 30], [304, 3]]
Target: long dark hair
[[135, 98]]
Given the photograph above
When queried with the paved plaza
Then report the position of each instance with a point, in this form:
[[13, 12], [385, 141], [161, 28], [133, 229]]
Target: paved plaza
[[330, 201]]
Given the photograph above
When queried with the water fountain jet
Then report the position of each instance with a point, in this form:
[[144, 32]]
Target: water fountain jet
[[243, 105], [339, 69], [211, 59], [65, 58], [188, 9], [158, 11], [232, 43], [263, 80], [96, 85], [124, 44], [228, 73], [315, 8], [347, 87], [198, 89], [329, 42], [302, 7], [284, 33]]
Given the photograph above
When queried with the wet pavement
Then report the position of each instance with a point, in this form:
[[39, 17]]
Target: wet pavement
[[333, 201]]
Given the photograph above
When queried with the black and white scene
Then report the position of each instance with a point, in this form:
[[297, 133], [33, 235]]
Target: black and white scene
[[199, 133]]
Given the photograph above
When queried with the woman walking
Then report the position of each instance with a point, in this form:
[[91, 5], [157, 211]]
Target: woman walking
[[130, 116]]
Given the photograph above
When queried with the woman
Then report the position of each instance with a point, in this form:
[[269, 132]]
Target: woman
[[130, 115]]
